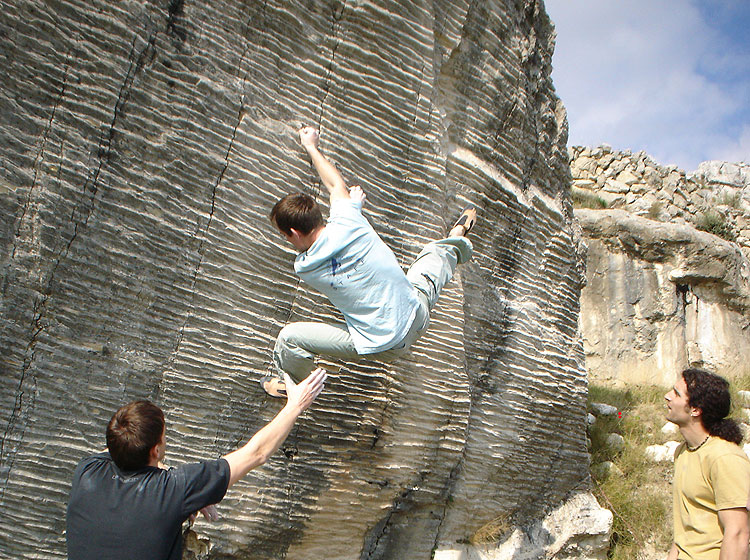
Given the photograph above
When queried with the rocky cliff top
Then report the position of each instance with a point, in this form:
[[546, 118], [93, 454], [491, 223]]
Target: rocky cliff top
[[668, 268]]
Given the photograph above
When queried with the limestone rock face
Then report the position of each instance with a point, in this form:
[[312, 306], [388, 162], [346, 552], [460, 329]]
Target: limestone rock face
[[714, 198], [661, 297], [142, 147], [667, 274]]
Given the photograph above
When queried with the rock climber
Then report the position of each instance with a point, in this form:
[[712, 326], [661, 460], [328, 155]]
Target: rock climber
[[385, 311]]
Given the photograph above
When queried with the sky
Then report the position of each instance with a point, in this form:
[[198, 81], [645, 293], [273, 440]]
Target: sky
[[670, 77]]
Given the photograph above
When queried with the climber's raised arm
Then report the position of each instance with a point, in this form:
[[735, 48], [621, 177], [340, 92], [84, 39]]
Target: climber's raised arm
[[332, 179]]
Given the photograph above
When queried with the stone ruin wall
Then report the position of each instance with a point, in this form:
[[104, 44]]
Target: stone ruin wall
[[662, 293], [141, 147], [636, 183]]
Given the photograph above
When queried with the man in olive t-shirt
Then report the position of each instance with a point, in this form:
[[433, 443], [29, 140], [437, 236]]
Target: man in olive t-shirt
[[712, 473]]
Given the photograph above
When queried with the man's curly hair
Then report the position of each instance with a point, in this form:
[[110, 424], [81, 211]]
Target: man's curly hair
[[710, 393]]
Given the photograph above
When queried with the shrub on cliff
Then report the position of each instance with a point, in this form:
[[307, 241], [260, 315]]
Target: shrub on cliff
[[583, 199], [715, 223]]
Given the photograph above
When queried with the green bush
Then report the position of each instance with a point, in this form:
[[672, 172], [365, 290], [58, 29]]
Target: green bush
[[731, 199], [583, 199]]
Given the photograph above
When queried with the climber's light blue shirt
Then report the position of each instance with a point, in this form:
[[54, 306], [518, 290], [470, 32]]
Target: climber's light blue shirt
[[351, 265]]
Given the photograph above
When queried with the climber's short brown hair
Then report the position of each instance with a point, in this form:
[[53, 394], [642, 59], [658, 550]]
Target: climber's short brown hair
[[133, 432], [297, 211]]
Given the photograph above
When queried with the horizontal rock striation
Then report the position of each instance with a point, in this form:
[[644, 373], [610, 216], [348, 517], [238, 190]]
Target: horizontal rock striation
[[142, 146], [666, 287]]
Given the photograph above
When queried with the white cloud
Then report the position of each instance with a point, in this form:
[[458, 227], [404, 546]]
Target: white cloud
[[630, 75], [735, 149]]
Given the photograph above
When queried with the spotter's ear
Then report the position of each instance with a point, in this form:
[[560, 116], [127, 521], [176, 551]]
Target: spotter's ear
[[153, 453]]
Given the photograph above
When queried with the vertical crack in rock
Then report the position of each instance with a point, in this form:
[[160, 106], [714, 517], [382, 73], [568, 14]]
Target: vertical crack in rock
[[85, 208], [174, 13], [335, 23], [39, 159], [447, 492], [80, 216], [23, 408], [201, 243], [376, 545], [21, 412], [506, 264], [531, 66], [248, 42]]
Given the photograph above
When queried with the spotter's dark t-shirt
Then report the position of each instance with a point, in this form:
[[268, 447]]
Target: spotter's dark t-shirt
[[137, 515]]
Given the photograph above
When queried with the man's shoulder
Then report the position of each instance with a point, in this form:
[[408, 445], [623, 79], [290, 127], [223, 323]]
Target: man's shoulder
[[724, 448], [201, 471], [346, 204], [199, 465], [97, 459], [725, 454], [102, 456]]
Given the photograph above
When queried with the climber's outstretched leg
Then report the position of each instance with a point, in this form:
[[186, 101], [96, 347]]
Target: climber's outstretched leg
[[296, 348], [435, 265]]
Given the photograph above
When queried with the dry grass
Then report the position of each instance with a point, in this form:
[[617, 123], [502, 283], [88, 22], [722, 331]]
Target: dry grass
[[585, 199], [494, 531], [636, 490]]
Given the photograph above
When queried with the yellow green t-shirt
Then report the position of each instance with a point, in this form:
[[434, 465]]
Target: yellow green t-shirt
[[716, 476]]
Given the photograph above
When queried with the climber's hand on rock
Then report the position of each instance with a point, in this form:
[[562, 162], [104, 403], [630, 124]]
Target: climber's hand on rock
[[357, 194], [309, 137]]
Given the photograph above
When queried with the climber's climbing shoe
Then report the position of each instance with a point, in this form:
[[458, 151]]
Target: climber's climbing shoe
[[274, 386], [468, 218]]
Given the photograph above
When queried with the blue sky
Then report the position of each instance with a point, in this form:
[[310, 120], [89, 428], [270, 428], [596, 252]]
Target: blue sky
[[671, 77]]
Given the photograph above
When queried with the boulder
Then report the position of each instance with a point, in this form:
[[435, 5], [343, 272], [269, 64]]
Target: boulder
[[577, 530], [143, 145], [615, 442], [670, 428], [660, 453], [744, 398], [603, 409]]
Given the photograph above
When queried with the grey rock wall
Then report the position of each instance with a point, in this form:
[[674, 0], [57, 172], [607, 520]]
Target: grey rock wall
[[142, 144], [714, 198]]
